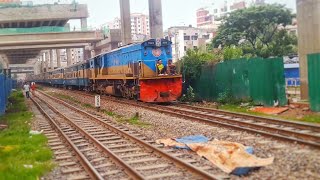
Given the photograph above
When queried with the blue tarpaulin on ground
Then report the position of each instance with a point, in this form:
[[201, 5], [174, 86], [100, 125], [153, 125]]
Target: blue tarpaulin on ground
[[192, 139]]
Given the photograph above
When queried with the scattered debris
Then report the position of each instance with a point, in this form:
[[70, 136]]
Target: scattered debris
[[230, 157], [29, 166], [244, 104], [3, 126], [181, 143], [291, 106], [270, 110], [35, 132], [306, 109]]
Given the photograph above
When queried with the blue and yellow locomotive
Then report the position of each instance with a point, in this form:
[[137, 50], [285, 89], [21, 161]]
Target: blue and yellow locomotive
[[130, 71]]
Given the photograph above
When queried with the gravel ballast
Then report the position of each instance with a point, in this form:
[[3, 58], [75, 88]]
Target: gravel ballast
[[292, 161]]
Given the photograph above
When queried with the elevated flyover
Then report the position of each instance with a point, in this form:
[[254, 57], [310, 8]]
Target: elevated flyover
[[42, 15], [20, 47], [26, 30]]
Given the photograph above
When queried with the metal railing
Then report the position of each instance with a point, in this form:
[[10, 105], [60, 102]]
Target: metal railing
[[45, 29]]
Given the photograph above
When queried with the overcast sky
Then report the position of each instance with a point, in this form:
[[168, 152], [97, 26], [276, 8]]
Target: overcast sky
[[175, 12]]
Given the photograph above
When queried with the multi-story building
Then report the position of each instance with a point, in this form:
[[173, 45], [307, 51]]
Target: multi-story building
[[140, 29], [76, 55], [186, 37], [9, 1], [204, 18], [210, 17], [218, 10]]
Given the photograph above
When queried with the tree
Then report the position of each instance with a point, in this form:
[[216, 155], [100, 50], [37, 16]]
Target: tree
[[192, 63], [256, 30], [232, 52]]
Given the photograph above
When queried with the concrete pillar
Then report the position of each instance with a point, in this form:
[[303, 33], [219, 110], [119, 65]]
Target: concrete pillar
[[308, 15], [84, 24], [51, 59], [41, 63], [155, 19], [69, 57], [125, 22], [46, 61], [36, 68], [93, 53], [58, 53]]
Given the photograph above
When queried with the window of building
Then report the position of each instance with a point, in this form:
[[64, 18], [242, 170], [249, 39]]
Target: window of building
[[186, 37], [194, 37], [185, 48], [205, 36]]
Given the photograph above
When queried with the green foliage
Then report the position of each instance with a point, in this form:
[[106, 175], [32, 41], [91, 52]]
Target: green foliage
[[134, 120], [224, 97], [190, 96], [227, 97], [18, 147], [192, 64], [232, 52], [256, 31], [86, 105]]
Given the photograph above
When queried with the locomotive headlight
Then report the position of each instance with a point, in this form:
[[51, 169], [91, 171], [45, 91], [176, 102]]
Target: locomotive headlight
[[145, 53]]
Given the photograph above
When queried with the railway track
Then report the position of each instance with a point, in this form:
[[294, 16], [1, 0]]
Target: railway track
[[73, 163], [296, 132], [115, 152]]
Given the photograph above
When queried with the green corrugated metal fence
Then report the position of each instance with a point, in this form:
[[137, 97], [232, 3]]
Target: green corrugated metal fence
[[261, 80], [314, 81]]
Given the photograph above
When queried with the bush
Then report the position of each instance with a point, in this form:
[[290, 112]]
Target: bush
[[226, 97], [190, 96]]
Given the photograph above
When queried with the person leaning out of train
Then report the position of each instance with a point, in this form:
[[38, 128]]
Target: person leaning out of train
[[160, 67], [171, 70]]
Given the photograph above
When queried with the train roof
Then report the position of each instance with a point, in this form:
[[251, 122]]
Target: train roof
[[150, 42]]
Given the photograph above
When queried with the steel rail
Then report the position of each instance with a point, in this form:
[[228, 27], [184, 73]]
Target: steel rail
[[175, 160], [127, 168], [273, 132], [93, 173], [300, 125]]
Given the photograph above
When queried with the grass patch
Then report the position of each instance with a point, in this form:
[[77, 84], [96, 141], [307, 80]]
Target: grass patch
[[237, 108], [39, 88], [112, 114], [314, 118], [86, 105], [134, 120], [18, 148], [66, 97]]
